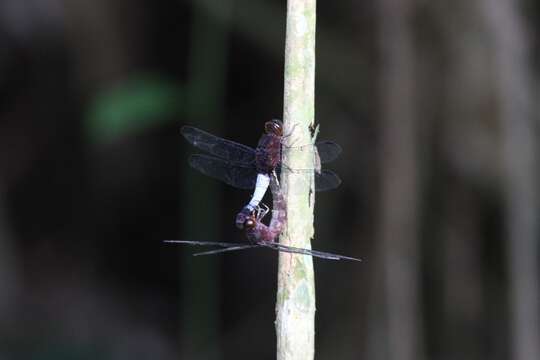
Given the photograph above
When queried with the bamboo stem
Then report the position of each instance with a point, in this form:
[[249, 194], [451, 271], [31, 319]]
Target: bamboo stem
[[295, 306], [520, 162]]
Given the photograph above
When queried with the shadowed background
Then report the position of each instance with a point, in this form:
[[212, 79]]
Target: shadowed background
[[435, 104]]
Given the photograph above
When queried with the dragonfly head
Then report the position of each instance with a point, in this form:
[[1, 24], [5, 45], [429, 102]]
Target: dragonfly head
[[250, 222], [274, 126]]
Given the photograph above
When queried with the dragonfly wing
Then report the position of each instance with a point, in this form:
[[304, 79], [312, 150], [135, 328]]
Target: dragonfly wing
[[285, 248], [326, 255], [203, 243], [319, 254], [326, 180], [328, 150], [225, 149], [234, 174], [232, 248]]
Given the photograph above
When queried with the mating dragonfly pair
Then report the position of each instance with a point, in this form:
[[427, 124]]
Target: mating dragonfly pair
[[246, 168]]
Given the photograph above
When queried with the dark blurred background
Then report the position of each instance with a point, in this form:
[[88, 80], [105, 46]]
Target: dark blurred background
[[435, 104]]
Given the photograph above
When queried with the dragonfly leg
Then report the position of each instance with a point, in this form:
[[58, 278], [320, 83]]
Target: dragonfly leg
[[285, 136], [262, 210], [275, 177]]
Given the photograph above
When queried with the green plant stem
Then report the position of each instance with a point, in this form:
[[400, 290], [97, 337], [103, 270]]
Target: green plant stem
[[295, 306]]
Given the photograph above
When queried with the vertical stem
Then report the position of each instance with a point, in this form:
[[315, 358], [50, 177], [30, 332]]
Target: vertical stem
[[399, 180], [295, 306], [512, 79]]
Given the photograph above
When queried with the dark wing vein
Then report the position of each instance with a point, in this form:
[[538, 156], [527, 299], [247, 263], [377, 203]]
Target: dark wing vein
[[328, 150], [203, 243], [234, 174], [326, 180], [225, 149], [232, 248], [319, 254]]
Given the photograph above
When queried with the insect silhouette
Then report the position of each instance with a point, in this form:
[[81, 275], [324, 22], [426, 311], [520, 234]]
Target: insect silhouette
[[249, 168], [261, 235]]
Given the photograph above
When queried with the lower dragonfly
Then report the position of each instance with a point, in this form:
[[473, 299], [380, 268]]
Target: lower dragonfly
[[261, 235]]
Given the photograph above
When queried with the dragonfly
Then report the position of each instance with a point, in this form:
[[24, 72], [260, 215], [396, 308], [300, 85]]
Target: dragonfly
[[260, 235], [249, 168]]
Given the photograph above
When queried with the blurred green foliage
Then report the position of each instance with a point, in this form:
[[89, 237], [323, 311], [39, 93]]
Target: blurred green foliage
[[136, 105]]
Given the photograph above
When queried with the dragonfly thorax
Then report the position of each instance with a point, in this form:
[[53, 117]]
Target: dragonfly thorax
[[268, 153]]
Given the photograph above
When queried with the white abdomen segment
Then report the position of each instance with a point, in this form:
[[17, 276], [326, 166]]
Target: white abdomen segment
[[263, 181]]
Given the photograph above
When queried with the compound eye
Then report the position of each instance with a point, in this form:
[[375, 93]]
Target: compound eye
[[249, 224], [274, 127]]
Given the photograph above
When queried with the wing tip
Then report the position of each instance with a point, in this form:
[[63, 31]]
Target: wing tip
[[184, 128], [338, 180], [352, 259], [190, 133], [331, 185], [339, 150]]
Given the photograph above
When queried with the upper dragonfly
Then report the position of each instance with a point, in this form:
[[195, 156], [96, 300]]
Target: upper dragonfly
[[262, 235], [246, 168]]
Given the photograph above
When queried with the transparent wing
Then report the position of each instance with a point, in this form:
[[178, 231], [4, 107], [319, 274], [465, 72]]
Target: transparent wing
[[234, 174], [326, 180], [295, 250], [272, 245], [203, 243], [226, 246], [328, 150], [225, 149], [232, 248]]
